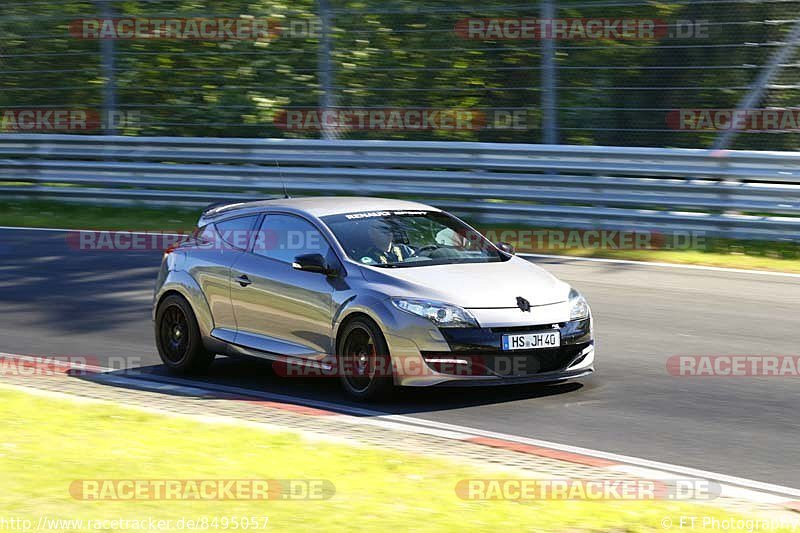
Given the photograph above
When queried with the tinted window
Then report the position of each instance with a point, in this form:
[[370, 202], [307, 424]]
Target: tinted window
[[236, 231], [395, 239], [284, 237], [205, 235]]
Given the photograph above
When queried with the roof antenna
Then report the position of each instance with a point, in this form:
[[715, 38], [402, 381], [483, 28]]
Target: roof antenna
[[283, 181]]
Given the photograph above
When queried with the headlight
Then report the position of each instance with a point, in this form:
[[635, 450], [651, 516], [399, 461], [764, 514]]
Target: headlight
[[578, 308], [441, 314]]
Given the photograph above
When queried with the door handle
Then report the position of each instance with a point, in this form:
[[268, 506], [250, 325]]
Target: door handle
[[244, 281]]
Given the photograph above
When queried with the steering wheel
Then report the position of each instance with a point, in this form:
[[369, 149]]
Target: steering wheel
[[428, 248]]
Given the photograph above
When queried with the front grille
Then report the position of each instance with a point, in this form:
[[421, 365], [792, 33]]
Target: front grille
[[525, 329], [530, 362], [481, 349], [507, 364]]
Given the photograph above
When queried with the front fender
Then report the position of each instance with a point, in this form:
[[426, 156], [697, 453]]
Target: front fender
[[372, 306], [393, 322]]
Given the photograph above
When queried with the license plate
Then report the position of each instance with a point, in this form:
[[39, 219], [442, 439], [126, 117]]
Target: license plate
[[532, 341]]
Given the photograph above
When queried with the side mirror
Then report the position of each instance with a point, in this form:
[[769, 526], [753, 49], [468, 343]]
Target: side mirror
[[312, 263], [506, 247]]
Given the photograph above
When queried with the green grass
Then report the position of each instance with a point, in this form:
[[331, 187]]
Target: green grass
[[47, 443], [755, 255], [45, 214], [701, 250], [738, 260]]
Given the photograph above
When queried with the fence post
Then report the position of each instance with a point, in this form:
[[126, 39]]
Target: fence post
[[548, 93], [108, 63], [756, 93], [325, 67]]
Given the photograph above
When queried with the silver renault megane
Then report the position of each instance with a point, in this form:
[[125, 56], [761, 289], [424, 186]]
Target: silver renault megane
[[376, 292]]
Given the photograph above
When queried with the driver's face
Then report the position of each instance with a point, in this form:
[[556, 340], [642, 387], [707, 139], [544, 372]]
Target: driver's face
[[380, 236]]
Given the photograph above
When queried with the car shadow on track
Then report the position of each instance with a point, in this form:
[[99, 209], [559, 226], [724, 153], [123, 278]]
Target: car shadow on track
[[256, 377]]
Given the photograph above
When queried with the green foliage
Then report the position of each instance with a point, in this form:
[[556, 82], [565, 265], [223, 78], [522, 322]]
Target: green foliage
[[403, 54]]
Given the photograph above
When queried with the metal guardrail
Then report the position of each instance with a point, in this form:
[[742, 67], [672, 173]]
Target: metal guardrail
[[734, 193]]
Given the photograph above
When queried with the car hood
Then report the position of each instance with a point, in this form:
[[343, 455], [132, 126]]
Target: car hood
[[473, 285]]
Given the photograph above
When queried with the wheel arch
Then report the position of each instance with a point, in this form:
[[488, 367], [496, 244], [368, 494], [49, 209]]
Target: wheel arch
[[350, 317], [181, 284], [166, 294]]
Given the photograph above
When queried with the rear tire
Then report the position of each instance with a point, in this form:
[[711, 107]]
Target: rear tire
[[178, 337], [365, 367]]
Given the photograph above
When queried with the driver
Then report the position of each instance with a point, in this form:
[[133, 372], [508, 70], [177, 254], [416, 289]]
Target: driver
[[383, 249]]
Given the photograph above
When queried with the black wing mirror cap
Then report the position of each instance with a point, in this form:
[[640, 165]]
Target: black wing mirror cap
[[506, 247], [313, 263]]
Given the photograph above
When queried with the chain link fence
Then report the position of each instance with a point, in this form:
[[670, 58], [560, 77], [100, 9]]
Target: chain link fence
[[620, 73]]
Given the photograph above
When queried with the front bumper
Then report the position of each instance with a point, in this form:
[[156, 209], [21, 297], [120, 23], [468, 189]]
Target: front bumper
[[547, 377], [475, 358]]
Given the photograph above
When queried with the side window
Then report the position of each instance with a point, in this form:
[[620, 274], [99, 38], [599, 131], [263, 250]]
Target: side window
[[284, 237], [236, 232], [205, 235]]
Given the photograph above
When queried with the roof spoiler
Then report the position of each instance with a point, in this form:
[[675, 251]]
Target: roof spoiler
[[211, 209], [219, 208]]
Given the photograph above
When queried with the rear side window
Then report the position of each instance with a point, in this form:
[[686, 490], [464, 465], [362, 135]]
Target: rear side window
[[205, 234], [287, 236], [237, 231]]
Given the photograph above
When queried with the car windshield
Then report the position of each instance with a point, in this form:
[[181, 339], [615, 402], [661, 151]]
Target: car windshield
[[397, 239]]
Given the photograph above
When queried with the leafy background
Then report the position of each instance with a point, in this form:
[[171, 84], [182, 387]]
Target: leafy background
[[405, 53]]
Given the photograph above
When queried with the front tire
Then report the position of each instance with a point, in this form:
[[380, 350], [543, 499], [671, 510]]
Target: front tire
[[178, 337], [365, 368]]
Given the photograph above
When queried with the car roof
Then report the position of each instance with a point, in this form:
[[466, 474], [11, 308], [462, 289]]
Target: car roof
[[319, 206]]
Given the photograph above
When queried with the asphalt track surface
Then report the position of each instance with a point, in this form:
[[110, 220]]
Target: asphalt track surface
[[59, 301]]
